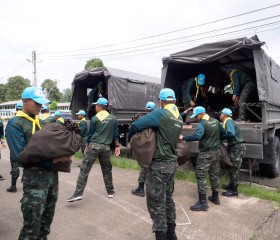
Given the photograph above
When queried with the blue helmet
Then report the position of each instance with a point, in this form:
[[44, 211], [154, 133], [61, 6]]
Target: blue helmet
[[167, 94], [101, 101], [81, 112], [19, 105], [201, 79], [57, 114], [150, 106], [226, 111]]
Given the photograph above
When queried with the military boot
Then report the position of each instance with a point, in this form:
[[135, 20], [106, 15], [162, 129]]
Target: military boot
[[171, 234], [214, 198], [201, 205], [13, 187], [160, 235], [139, 191], [227, 186], [231, 192]]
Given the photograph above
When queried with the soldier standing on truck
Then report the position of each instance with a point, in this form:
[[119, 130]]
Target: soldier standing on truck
[[139, 191], [244, 91], [236, 150], [193, 92], [208, 161]]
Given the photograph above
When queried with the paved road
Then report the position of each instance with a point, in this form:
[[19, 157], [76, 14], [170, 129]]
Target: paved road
[[125, 217]]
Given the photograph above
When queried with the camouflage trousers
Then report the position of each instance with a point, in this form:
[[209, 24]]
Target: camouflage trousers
[[83, 145], [40, 192], [208, 162], [247, 95], [103, 153], [159, 190], [142, 176], [14, 167], [236, 152]]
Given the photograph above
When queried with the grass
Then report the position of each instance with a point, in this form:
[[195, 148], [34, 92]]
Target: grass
[[189, 176]]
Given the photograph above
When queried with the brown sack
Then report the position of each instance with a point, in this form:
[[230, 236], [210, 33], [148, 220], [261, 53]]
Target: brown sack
[[52, 141], [224, 155], [143, 145], [62, 164], [183, 152]]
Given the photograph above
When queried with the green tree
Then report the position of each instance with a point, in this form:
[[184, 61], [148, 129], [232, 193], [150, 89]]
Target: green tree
[[53, 105], [53, 93], [67, 93], [2, 92], [15, 86], [93, 63]]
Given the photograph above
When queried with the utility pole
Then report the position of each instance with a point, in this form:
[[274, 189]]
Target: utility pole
[[34, 61]]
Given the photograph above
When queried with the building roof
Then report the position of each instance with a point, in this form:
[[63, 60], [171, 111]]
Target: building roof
[[9, 103], [66, 104]]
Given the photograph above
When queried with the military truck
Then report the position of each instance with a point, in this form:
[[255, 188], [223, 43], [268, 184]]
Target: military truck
[[127, 93], [213, 59]]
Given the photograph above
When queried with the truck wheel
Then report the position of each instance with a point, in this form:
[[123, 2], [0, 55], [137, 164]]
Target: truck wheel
[[272, 170]]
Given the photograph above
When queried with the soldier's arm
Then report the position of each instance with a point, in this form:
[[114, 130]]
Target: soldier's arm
[[197, 135], [236, 89], [230, 129]]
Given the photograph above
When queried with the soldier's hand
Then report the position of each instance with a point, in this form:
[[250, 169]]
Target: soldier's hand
[[192, 104], [117, 151], [181, 137]]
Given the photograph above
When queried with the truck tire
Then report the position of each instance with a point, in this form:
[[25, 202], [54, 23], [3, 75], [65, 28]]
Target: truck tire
[[272, 170]]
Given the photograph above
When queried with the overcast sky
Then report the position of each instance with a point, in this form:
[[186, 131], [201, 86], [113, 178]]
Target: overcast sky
[[67, 33]]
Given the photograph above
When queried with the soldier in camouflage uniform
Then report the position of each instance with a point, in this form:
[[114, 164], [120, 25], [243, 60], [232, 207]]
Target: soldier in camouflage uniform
[[244, 91], [208, 134], [83, 127], [14, 162], [102, 131], [40, 184], [139, 191], [236, 150], [160, 177]]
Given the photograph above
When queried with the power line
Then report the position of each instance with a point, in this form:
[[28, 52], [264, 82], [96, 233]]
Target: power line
[[175, 39], [192, 40], [170, 32]]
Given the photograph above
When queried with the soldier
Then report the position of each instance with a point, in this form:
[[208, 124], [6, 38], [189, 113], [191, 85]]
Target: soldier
[[208, 135], [14, 162], [40, 184], [160, 178], [83, 127], [58, 117], [102, 131], [2, 142], [193, 91], [45, 115], [236, 149], [139, 191], [244, 91]]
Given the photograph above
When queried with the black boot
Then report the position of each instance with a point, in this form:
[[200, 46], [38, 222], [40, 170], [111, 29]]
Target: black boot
[[171, 234], [227, 186], [201, 205], [214, 198], [231, 192], [139, 191], [13, 187], [160, 235]]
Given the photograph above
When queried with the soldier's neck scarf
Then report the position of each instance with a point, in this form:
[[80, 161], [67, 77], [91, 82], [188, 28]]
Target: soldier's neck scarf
[[231, 78], [35, 122], [197, 89], [79, 123], [102, 115], [206, 117], [225, 122], [173, 109]]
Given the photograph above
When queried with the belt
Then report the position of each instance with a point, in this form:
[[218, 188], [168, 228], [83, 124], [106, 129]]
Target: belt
[[235, 144]]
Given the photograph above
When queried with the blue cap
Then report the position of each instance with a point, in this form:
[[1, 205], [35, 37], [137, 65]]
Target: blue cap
[[101, 101], [197, 110], [36, 94], [57, 114], [45, 107], [81, 112], [229, 70], [226, 111], [201, 79], [150, 106], [19, 105], [167, 94]]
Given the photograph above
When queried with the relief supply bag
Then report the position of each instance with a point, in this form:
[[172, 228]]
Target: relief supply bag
[[183, 152]]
